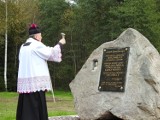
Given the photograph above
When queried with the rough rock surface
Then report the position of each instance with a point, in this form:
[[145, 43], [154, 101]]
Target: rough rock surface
[[141, 99]]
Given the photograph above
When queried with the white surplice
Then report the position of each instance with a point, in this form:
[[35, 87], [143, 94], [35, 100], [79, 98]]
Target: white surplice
[[33, 73]]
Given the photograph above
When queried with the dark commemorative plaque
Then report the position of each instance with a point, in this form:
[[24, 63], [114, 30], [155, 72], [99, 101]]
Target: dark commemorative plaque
[[114, 69]]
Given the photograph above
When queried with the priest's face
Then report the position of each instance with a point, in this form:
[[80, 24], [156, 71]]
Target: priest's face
[[38, 37]]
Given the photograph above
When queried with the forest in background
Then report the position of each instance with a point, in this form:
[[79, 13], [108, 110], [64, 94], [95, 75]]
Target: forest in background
[[86, 23]]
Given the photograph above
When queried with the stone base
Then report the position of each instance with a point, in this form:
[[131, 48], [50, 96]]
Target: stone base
[[106, 116], [70, 117]]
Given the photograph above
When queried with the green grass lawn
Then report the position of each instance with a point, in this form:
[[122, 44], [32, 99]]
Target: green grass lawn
[[63, 105]]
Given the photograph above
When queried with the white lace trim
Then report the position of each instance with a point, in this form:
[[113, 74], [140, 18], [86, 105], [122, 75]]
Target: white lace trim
[[28, 85]]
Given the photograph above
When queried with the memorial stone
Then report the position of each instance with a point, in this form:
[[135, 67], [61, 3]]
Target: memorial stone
[[124, 85]]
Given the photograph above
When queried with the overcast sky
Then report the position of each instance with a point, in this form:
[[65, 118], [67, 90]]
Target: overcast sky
[[70, 1]]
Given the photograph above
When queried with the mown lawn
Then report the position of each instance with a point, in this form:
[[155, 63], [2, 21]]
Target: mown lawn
[[63, 105]]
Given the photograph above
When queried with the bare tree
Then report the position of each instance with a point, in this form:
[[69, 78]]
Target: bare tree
[[6, 44]]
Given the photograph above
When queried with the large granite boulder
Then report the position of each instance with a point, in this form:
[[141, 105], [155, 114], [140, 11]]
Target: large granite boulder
[[141, 98]]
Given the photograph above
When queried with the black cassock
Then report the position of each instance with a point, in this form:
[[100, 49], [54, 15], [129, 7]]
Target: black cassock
[[32, 106]]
